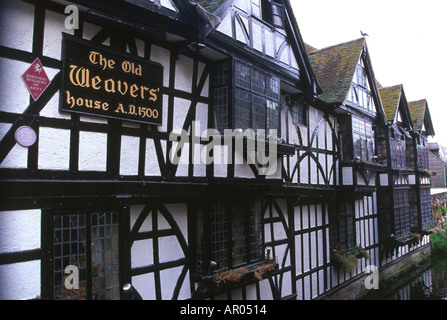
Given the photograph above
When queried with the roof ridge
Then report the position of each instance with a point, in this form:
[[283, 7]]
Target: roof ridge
[[418, 101], [338, 45], [392, 87]]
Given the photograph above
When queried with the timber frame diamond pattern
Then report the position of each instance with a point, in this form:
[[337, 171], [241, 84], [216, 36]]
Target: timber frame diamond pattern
[[125, 201]]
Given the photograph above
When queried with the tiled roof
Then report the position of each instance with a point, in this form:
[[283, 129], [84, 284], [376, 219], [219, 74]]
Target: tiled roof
[[390, 97], [417, 112], [335, 67], [309, 48]]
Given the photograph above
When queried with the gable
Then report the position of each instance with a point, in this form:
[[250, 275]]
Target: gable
[[420, 116], [245, 22], [395, 105], [335, 68], [360, 92], [345, 74]]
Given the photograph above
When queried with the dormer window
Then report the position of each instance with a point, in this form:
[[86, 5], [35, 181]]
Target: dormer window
[[269, 11]]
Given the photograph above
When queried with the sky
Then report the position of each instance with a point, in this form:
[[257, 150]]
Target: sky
[[406, 41]]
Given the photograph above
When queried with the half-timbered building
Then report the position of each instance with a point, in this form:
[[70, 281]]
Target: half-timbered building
[[383, 200], [404, 190], [394, 188], [420, 198], [191, 149], [349, 89]]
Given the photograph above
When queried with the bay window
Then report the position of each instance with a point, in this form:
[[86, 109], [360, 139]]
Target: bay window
[[255, 98]]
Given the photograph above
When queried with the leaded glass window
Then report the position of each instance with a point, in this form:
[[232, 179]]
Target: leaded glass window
[[87, 244], [363, 139], [229, 234]]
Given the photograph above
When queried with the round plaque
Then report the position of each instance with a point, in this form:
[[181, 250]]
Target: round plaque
[[25, 136]]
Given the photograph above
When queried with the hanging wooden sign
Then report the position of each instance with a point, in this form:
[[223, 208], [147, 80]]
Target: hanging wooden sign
[[98, 81]]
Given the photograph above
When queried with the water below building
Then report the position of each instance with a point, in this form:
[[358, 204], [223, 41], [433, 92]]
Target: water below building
[[430, 284]]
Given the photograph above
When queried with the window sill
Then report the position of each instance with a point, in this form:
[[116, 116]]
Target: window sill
[[253, 272], [222, 280]]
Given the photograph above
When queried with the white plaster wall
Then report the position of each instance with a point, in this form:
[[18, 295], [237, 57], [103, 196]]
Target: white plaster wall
[[54, 27], [322, 161], [205, 90], [183, 73], [269, 50], [17, 158], [152, 167], [220, 160], [130, 147], [239, 31], [19, 231], [329, 137], [257, 37], [169, 250], [347, 176], [92, 151], [313, 170], [265, 290], [225, 26], [168, 279], [142, 253], [54, 150], [304, 169], [16, 25], [162, 56], [181, 108], [20, 281], [14, 96], [145, 285]]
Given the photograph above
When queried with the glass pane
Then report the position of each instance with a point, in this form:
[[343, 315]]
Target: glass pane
[[238, 231], [223, 74], [243, 76], [272, 87], [105, 263], [357, 146], [272, 115], [258, 113], [219, 235], [221, 108], [69, 249], [257, 81], [242, 109], [255, 230]]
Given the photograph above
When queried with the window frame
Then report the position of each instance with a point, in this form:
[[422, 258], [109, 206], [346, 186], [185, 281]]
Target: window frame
[[342, 225], [209, 244], [299, 111], [269, 11], [249, 90], [86, 272], [366, 139]]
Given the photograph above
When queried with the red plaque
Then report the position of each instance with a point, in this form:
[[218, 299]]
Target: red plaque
[[36, 79]]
